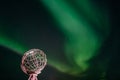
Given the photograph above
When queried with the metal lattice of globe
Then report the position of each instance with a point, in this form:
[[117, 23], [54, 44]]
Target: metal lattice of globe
[[33, 61]]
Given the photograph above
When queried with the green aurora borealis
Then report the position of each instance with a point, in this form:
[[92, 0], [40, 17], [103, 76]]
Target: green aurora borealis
[[85, 26], [83, 42]]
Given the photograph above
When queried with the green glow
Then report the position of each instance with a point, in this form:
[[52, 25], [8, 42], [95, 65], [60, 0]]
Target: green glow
[[11, 44], [82, 42], [94, 13]]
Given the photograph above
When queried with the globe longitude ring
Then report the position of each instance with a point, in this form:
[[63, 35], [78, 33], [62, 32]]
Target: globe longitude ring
[[33, 61]]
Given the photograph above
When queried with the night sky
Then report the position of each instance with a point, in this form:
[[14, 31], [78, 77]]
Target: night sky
[[80, 41]]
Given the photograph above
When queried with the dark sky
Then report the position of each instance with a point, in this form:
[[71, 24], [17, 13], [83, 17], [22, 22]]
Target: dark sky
[[30, 17]]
